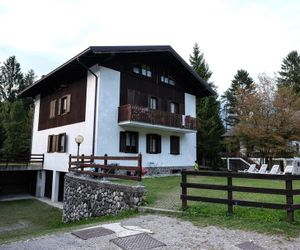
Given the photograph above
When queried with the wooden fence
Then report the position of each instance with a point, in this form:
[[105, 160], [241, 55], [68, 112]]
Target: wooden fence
[[22, 160], [288, 191], [99, 166]]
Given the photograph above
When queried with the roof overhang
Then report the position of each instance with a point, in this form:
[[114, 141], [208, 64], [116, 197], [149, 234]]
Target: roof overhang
[[91, 55]]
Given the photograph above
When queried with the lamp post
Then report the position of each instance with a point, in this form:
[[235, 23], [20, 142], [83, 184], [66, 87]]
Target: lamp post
[[79, 139]]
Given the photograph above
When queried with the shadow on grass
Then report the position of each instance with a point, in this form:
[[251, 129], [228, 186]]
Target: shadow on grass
[[30, 218]]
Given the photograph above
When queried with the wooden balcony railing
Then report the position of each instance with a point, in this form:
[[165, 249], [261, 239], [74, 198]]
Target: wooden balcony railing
[[156, 117]]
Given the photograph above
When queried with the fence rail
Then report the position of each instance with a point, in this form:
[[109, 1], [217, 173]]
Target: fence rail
[[78, 164], [288, 191], [22, 160]]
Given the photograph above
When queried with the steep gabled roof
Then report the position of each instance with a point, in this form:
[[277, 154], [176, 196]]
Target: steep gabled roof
[[92, 54]]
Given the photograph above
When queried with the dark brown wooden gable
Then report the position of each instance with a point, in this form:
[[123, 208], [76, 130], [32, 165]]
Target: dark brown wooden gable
[[137, 90], [77, 90]]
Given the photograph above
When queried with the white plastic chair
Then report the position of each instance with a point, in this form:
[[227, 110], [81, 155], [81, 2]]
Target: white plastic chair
[[275, 169], [252, 169], [288, 169], [263, 169]]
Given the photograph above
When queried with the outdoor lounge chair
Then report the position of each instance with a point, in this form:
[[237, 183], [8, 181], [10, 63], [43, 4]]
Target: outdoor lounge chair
[[263, 169], [275, 170], [252, 169], [288, 169]]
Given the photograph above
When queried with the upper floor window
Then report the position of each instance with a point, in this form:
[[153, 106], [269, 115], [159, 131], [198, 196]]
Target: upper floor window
[[153, 103], [142, 69], [64, 104], [167, 79], [174, 108], [153, 144], [129, 142]]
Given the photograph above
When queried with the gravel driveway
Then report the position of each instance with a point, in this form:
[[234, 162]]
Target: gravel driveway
[[176, 234]]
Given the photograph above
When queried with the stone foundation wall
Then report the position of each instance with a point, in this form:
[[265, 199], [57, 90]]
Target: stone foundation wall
[[87, 197], [155, 171]]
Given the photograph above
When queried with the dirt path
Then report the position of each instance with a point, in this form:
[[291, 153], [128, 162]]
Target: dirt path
[[174, 233]]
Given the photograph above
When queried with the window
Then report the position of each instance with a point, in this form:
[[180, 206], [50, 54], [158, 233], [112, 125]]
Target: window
[[52, 109], [143, 69], [153, 144], [129, 142], [64, 104], [174, 108], [167, 79], [57, 143], [153, 103], [174, 145], [62, 143]]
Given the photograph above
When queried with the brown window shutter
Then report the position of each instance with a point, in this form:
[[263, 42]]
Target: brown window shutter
[[158, 146], [65, 142], [148, 143], [68, 103], [55, 143], [49, 143], [174, 144], [122, 141], [52, 109], [59, 106]]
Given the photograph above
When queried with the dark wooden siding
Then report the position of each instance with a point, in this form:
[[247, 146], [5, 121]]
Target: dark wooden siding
[[77, 90], [137, 90]]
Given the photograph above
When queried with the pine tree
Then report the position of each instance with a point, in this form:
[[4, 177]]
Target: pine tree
[[290, 72], [16, 121], [241, 80], [11, 79], [210, 127], [15, 114]]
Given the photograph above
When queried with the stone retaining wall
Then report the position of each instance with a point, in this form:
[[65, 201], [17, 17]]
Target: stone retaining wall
[[88, 197], [156, 171]]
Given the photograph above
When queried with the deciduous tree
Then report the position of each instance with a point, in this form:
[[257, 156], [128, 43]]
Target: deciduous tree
[[268, 119]]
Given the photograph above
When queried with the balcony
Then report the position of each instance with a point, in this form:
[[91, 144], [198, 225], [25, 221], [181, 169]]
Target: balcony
[[135, 116]]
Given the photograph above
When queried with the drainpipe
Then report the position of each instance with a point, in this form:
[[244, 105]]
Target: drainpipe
[[95, 102]]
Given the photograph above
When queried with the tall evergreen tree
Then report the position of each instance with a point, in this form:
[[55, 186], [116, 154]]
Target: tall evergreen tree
[[16, 121], [15, 114], [210, 127], [290, 72], [241, 80], [11, 79]]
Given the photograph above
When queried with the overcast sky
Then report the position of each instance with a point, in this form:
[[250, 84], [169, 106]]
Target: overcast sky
[[253, 35]]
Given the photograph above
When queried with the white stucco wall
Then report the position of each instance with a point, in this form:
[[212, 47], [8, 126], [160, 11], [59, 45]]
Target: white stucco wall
[[108, 130]]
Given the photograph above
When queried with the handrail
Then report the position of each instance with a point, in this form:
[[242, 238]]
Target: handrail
[[80, 163]]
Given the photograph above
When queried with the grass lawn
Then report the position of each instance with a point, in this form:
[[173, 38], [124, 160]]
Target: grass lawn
[[28, 218], [164, 192]]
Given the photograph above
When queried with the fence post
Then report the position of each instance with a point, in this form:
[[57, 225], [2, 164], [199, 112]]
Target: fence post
[[105, 164], [183, 190], [140, 167], [82, 161], [289, 196], [229, 193], [69, 162]]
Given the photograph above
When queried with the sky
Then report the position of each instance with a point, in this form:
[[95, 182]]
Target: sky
[[233, 34]]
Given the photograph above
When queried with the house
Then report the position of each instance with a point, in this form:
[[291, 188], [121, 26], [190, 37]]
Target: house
[[123, 100]]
